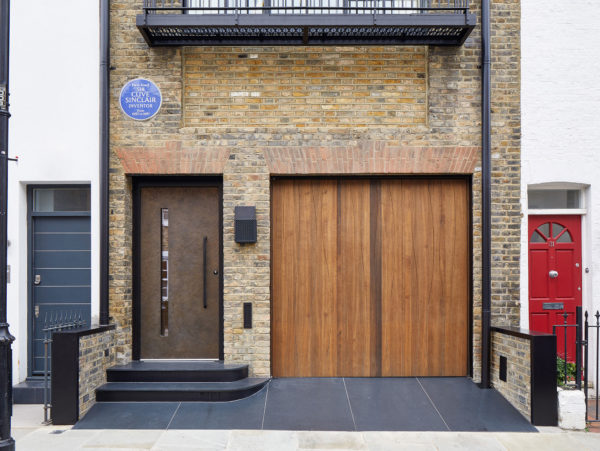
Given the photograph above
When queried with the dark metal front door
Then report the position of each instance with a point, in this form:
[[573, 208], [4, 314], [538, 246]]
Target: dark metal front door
[[179, 280]]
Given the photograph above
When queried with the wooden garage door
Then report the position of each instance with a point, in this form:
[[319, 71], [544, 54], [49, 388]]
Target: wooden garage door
[[370, 277]]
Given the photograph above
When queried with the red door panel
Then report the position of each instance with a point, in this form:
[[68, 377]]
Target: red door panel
[[565, 265], [539, 282], [539, 321], [554, 276]]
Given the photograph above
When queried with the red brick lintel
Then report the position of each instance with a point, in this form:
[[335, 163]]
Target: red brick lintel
[[173, 159], [372, 157]]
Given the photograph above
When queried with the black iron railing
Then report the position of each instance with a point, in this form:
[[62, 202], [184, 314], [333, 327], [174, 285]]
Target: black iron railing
[[305, 22], [592, 400], [331, 7], [586, 373], [567, 339]]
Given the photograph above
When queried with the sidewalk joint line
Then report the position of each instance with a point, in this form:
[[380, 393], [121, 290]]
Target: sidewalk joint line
[[349, 404], [432, 403], [174, 413], [262, 425]]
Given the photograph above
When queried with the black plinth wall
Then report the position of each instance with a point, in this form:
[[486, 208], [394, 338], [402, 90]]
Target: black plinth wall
[[544, 398], [65, 373]]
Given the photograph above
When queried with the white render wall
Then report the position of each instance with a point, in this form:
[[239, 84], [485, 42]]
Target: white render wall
[[561, 119], [54, 101]]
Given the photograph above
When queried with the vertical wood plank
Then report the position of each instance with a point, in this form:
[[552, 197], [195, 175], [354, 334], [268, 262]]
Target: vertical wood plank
[[304, 263], [425, 270], [357, 335]]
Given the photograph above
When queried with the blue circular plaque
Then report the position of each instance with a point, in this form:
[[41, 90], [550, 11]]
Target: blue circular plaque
[[140, 99]]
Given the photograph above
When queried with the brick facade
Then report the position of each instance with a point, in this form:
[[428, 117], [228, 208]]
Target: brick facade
[[334, 110], [305, 87], [517, 387], [96, 354]]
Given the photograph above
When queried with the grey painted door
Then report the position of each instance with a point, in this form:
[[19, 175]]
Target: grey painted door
[[60, 276]]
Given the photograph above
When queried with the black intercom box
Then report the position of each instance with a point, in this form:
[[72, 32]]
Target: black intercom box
[[245, 224]]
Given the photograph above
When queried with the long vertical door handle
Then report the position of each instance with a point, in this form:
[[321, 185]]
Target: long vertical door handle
[[204, 272]]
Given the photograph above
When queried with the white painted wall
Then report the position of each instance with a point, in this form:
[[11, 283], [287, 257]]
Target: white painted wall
[[560, 96], [54, 101]]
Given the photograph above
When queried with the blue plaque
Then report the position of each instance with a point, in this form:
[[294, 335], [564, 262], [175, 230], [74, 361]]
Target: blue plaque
[[140, 99]]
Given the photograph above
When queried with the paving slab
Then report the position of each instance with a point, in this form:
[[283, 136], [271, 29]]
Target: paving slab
[[189, 439], [468, 441], [262, 441], [27, 415], [128, 415], [466, 407], [50, 439], [392, 404], [245, 413], [546, 442], [318, 440], [123, 439], [314, 404]]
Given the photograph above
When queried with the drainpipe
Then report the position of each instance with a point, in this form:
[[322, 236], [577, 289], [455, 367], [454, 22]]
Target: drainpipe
[[6, 339], [486, 196], [104, 154]]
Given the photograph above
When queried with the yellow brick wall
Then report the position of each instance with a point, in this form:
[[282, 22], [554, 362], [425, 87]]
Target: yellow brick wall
[[300, 86], [517, 387]]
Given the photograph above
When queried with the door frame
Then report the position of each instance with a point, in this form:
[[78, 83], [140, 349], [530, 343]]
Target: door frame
[[467, 178], [30, 215], [165, 182]]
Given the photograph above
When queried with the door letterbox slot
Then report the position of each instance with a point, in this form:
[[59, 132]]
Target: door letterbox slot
[[553, 306]]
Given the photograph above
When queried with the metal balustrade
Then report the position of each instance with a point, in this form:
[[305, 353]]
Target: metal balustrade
[[307, 6], [297, 22]]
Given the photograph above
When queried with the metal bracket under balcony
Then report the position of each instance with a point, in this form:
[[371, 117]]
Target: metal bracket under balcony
[[306, 22]]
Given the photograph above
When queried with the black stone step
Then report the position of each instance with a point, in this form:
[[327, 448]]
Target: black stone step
[[179, 391], [176, 371], [30, 391]]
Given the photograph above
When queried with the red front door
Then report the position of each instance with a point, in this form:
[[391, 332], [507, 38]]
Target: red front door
[[555, 276]]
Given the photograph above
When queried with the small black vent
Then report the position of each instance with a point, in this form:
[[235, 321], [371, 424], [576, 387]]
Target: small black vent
[[247, 315], [503, 368], [245, 224]]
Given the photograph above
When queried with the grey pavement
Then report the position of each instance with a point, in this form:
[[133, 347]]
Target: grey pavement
[[328, 404], [31, 435]]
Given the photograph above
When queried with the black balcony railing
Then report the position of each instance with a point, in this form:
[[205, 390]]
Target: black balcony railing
[[297, 22]]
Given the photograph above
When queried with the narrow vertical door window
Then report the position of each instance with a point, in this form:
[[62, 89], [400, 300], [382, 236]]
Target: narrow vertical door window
[[164, 273]]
